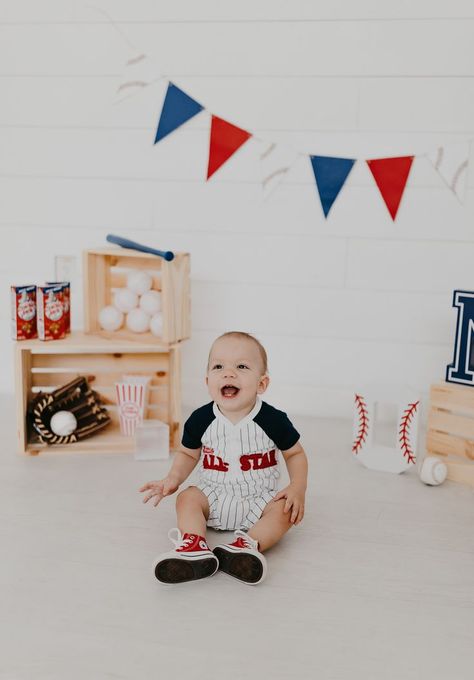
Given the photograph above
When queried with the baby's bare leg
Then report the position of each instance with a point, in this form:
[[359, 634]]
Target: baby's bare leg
[[192, 511], [272, 525]]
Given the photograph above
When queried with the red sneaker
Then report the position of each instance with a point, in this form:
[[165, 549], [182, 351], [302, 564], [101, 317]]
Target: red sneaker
[[242, 559], [190, 560]]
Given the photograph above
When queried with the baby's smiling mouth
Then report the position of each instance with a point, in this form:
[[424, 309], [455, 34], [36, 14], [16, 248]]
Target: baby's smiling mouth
[[229, 391]]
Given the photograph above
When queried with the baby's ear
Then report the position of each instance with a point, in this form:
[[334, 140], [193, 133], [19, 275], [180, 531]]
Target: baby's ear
[[263, 384]]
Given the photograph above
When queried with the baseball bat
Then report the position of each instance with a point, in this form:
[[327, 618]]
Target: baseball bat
[[125, 243]]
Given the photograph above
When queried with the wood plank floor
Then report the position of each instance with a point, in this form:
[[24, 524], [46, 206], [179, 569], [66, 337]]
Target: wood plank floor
[[377, 582]]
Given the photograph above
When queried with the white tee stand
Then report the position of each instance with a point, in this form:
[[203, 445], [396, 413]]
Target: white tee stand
[[376, 456]]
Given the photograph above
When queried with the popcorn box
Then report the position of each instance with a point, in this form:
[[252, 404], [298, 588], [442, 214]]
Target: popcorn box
[[23, 312], [131, 405], [66, 287], [50, 312]]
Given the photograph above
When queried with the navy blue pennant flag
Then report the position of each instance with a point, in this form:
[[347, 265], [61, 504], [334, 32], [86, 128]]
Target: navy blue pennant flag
[[178, 108], [330, 174]]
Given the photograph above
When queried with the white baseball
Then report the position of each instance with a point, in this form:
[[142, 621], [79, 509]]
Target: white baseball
[[110, 319], [139, 282], [433, 471], [156, 324], [150, 302], [138, 321], [125, 300], [63, 423]]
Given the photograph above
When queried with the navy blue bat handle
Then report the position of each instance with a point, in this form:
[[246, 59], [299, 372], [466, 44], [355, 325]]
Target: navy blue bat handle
[[125, 243]]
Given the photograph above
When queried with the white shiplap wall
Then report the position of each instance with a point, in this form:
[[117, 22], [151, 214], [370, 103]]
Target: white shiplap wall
[[337, 303]]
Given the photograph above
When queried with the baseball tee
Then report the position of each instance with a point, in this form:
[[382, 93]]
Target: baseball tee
[[240, 458]]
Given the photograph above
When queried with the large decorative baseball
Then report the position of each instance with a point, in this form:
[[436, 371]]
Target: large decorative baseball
[[367, 448]]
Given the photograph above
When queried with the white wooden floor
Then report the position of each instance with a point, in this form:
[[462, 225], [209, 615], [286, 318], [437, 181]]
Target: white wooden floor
[[378, 581]]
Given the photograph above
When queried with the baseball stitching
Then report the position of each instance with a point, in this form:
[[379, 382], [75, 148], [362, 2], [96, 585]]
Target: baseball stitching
[[363, 424], [404, 432]]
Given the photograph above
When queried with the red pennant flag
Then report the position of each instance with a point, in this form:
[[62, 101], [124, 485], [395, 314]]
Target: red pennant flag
[[225, 140], [391, 175]]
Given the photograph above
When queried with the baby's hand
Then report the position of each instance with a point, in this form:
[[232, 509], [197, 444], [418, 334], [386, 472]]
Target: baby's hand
[[294, 502], [164, 487]]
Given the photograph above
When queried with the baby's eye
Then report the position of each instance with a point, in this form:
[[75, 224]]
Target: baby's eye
[[242, 366], [218, 366]]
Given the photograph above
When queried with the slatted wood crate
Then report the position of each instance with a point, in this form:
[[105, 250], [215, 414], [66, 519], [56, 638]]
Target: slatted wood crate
[[43, 366], [106, 269], [451, 429]]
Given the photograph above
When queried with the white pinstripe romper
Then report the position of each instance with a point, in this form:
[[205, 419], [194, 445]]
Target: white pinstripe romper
[[239, 464]]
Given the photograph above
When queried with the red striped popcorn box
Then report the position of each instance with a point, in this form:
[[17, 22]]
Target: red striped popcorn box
[[50, 312], [143, 380], [131, 406], [66, 286], [23, 312]]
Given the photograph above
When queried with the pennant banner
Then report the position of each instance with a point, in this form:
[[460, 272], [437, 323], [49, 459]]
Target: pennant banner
[[452, 162], [276, 160], [225, 140], [391, 175], [177, 109], [275, 163], [140, 71], [330, 174]]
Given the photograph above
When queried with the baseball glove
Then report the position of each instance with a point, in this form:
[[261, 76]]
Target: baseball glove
[[76, 397]]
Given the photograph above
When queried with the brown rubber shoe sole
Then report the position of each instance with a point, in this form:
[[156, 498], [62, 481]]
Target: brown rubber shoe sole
[[178, 571], [243, 566]]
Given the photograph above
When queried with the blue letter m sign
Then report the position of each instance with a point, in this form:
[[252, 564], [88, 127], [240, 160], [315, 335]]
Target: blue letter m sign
[[462, 368]]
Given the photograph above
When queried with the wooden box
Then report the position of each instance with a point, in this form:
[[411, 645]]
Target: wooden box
[[43, 366], [105, 270], [451, 429]]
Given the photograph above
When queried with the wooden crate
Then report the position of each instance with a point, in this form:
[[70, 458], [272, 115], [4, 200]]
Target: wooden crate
[[451, 429], [43, 366], [105, 269]]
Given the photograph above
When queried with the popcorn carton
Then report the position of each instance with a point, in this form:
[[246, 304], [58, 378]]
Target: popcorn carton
[[131, 399]]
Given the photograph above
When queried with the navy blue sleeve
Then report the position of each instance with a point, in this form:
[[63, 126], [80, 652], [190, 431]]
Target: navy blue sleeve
[[196, 425], [277, 426]]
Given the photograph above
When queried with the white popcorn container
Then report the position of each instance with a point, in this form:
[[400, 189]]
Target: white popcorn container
[[139, 380], [131, 405]]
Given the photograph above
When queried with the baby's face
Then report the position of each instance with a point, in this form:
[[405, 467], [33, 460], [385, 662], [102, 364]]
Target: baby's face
[[235, 375]]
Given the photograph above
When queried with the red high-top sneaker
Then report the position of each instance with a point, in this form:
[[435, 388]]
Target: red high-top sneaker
[[242, 559], [190, 560]]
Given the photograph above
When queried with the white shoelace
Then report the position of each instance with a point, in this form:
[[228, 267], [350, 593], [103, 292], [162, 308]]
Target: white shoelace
[[248, 540], [176, 537]]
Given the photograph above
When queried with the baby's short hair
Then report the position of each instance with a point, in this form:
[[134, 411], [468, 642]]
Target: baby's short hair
[[247, 336]]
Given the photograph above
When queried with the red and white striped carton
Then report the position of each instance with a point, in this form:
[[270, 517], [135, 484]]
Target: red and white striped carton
[[23, 312], [50, 312], [144, 381], [131, 400], [66, 288]]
